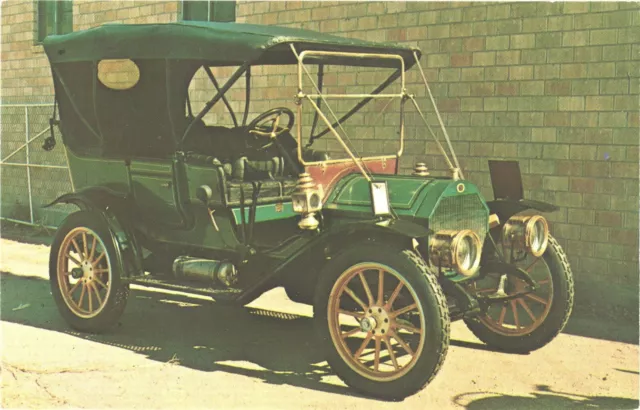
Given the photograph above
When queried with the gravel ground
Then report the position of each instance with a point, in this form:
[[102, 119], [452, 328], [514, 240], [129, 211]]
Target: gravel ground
[[174, 350]]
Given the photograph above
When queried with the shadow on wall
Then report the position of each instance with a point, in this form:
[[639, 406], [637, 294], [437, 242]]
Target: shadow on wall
[[543, 398]]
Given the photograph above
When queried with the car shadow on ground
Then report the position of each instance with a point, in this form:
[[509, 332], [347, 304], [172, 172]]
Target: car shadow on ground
[[543, 398], [587, 324], [203, 335], [197, 333]]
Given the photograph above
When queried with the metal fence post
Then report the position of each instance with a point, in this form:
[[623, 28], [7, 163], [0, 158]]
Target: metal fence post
[[28, 162]]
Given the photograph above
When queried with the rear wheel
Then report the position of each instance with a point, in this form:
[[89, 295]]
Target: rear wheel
[[383, 320], [84, 275], [531, 321]]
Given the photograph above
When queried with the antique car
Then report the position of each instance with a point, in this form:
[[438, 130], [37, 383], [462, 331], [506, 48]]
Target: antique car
[[181, 199]]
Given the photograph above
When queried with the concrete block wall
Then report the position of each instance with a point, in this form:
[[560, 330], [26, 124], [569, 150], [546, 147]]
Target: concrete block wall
[[553, 85]]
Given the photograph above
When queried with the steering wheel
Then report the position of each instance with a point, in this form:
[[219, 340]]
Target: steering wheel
[[267, 124]]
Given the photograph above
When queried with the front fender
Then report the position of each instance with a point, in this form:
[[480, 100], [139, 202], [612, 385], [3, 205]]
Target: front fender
[[310, 257], [112, 207], [506, 208]]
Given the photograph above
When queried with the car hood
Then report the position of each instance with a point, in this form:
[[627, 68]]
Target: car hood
[[408, 195]]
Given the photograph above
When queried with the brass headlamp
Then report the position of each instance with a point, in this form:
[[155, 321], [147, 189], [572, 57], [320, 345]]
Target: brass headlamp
[[530, 233], [459, 250]]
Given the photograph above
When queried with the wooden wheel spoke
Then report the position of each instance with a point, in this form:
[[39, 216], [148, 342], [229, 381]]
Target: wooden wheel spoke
[[101, 283], [355, 298], [376, 358], [77, 248], [105, 270], [394, 295], [537, 298], [543, 282], [528, 268], [84, 245], [380, 287], [367, 290], [90, 298], [408, 327], [358, 315], [485, 290], [74, 287], [392, 354], [93, 247], [72, 259], [514, 309], [102, 255], [363, 346], [350, 333], [79, 304], [526, 309], [402, 343], [97, 294], [402, 311], [503, 312]]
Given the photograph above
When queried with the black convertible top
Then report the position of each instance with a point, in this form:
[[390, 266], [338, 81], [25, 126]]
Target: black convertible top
[[218, 43]]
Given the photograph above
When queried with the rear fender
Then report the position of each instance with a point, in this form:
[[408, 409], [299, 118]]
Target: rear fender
[[111, 206]]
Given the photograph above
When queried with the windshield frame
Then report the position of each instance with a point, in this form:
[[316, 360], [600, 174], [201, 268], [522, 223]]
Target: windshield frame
[[317, 93]]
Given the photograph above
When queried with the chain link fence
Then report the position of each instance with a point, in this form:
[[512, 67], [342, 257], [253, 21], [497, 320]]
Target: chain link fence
[[31, 177]]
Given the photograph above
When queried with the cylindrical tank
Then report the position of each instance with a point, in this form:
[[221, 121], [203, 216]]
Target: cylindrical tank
[[188, 267]]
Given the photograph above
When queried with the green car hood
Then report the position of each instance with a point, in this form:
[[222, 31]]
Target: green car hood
[[409, 196]]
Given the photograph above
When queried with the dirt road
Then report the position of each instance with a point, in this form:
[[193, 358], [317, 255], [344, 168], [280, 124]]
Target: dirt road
[[179, 351]]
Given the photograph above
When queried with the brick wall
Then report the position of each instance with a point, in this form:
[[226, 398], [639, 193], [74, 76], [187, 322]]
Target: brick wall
[[26, 78], [553, 85]]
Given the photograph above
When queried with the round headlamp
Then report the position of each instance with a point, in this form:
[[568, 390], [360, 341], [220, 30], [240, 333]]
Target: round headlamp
[[458, 250], [530, 233]]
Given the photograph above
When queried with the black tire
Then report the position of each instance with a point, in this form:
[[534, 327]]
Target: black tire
[[409, 268], [115, 293], [556, 318]]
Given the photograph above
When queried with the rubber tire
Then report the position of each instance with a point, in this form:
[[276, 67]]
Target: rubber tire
[[559, 313], [434, 306], [117, 300]]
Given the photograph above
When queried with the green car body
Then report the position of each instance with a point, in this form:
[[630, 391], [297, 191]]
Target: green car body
[[166, 201]]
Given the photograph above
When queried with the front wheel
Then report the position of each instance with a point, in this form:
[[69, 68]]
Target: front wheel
[[531, 321], [383, 320], [84, 273]]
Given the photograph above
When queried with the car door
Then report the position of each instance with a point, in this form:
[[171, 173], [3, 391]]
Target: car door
[[154, 190]]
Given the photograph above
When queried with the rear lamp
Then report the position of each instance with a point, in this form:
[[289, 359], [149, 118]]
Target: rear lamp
[[530, 233], [458, 250]]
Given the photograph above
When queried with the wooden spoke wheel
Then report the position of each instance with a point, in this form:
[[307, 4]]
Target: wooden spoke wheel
[[84, 272], [384, 320], [530, 321], [85, 278], [519, 316], [382, 336]]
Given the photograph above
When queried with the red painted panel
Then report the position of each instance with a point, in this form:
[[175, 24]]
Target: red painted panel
[[327, 176]]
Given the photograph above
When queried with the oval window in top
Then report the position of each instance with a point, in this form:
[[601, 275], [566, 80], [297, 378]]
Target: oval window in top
[[120, 74]]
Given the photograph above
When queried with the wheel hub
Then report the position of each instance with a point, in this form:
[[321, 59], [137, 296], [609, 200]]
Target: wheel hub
[[376, 321], [87, 270]]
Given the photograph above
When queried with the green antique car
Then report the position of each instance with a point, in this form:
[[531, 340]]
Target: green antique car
[[387, 260]]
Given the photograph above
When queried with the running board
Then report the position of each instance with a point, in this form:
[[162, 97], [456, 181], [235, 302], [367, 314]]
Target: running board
[[218, 294]]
